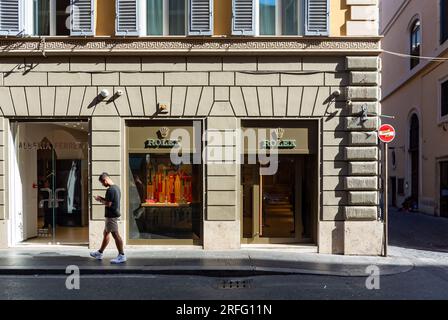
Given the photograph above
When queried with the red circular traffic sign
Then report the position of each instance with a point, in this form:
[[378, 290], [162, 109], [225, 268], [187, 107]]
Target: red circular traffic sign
[[386, 133]]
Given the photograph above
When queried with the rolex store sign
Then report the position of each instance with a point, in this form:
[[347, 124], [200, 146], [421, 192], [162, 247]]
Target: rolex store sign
[[161, 142], [283, 137], [278, 141]]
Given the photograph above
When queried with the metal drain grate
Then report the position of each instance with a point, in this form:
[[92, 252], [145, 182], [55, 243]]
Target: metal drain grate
[[234, 284]]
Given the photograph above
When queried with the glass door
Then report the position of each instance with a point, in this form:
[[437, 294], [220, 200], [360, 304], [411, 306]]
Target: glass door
[[46, 191], [272, 207], [280, 201]]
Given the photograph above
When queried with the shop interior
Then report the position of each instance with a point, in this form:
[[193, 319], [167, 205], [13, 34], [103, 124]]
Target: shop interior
[[49, 183], [280, 208]]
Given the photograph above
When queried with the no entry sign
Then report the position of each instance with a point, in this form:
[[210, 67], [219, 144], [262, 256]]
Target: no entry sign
[[386, 133]]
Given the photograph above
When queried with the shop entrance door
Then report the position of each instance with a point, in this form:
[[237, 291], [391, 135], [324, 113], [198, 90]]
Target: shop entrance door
[[274, 209], [444, 189], [49, 179]]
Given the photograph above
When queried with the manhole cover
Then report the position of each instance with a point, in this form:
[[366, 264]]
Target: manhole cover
[[234, 284]]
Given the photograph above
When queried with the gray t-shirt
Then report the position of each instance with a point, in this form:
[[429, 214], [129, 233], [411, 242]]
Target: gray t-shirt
[[113, 194]]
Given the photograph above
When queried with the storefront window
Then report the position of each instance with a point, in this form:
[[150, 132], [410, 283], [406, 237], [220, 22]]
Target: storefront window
[[280, 206], [164, 197], [48, 182]]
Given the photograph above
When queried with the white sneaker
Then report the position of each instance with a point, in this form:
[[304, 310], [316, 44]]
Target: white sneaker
[[121, 258], [97, 255]]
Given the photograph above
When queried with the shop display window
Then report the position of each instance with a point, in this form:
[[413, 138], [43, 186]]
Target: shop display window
[[166, 203]]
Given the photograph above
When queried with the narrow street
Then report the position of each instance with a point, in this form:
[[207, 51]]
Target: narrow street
[[421, 238]]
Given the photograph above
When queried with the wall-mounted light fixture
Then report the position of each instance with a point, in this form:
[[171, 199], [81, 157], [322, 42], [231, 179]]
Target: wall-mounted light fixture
[[104, 93], [336, 93], [162, 108], [445, 126]]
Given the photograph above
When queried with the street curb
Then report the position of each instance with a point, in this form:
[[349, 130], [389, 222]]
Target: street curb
[[196, 271]]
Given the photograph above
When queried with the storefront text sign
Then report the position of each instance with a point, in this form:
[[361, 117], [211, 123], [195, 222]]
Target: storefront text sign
[[279, 144], [161, 143]]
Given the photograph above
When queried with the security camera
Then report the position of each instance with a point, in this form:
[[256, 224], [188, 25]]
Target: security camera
[[119, 93], [104, 93]]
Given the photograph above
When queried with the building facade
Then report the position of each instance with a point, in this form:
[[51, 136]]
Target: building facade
[[415, 91], [186, 104]]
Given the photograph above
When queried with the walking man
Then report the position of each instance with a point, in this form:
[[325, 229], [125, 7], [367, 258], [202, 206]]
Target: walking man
[[112, 214]]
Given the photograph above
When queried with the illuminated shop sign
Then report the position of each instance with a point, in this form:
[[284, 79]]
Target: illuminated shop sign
[[161, 144], [278, 141], [279, 144]]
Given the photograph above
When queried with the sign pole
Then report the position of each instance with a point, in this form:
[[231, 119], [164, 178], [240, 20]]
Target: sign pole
[[386, 198], [386, 134]]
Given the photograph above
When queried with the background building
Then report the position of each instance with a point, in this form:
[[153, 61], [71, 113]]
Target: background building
[[415, 91], [106, 93]]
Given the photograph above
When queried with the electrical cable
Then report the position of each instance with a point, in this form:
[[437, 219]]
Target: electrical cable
[[413, 56]]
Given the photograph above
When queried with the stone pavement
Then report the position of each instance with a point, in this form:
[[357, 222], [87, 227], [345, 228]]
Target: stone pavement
[[243, 262], [414, 230], [416, 240]]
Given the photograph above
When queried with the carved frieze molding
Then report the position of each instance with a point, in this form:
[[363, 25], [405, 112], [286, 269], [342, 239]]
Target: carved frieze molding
[[105, 46]]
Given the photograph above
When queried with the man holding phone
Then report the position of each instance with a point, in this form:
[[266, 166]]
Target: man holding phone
[[112, 214]]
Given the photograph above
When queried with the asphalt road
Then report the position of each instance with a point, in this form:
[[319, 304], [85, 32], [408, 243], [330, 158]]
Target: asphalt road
[[424, 282]]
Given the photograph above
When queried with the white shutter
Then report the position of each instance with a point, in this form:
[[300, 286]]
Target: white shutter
[[127, 23], [243, 17], [317, 18], [82, 18], [201, 17], [11, 15]]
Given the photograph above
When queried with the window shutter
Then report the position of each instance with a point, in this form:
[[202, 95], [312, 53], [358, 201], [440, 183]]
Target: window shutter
[[82, 18], [11, 22], [127, 23], [201, 17], [317, 18], [243, 17]]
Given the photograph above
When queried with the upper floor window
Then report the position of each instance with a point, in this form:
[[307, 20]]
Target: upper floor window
[[416, 37], [293, 17], [51, 18], [443, 20], [46, 17], [280, 17], [166, 17], [444, 102]]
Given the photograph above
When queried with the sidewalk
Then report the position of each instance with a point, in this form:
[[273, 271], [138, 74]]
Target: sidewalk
[[244, 262]]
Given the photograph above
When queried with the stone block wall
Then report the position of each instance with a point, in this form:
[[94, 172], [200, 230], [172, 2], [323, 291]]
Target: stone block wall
[[364, 18], [223, 90]]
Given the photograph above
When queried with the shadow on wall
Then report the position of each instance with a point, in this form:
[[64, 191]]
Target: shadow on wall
[[338, 238]]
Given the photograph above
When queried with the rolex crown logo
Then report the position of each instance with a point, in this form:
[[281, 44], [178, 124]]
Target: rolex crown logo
[[164, 132], [280, 132]]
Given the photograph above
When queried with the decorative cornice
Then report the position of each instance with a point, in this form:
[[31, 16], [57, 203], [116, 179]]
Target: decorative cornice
[[224, 46]]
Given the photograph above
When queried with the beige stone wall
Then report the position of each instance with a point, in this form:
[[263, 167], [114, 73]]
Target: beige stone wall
[[3, 234], [396, 70], [223, 90], [4, 216], [420, 96], [363, 18], [3, 177]]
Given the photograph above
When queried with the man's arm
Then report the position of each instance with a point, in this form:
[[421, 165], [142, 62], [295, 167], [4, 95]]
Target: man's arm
[[103, 201]]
